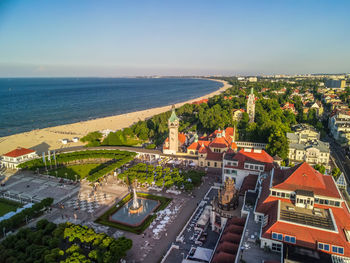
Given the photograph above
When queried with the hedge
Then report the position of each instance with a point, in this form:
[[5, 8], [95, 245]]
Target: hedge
[[19, 219]]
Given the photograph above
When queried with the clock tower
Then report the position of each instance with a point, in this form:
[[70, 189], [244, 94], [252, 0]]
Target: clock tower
[[173, 125]]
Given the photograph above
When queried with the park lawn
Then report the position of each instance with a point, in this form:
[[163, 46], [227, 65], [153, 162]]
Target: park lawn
[[82, 171], [8, 206]]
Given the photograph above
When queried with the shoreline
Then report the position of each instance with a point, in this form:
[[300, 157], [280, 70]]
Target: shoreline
[[42, 140]]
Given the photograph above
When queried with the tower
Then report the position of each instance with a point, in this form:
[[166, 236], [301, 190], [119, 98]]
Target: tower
[[173, 124], [251, 106]]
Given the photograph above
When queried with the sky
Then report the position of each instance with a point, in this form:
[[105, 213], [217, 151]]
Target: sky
[[65, 38]]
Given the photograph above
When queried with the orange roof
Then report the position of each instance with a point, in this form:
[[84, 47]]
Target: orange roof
[[19, 152], [182, 138], [262, 156], [304, 177], [197, 145], [219, 142], [200, 101]]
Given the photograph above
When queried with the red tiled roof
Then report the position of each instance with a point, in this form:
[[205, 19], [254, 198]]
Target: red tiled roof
[[304, 177], [309, 237], [19, 152], [223, 257], [197, 145], [261, 157], [198, 102], [219, 142], [182, 138], [299, 177]]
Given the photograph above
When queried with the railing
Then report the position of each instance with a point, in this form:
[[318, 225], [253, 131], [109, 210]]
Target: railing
[[251, 144]]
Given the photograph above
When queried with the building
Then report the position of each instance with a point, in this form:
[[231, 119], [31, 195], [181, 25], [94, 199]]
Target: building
[[176, 140], [302, 208], [303, 133], [251, 106], [252, 79], [210, 149], [336, 84], [339, 125], [238, 166], [290, 107], [237, 114], [12, 159], [305, 146]]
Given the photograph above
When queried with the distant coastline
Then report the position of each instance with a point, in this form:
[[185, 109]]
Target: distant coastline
[[49, 138]]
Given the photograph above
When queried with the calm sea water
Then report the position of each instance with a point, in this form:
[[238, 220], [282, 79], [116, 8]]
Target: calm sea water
[[32, 103]]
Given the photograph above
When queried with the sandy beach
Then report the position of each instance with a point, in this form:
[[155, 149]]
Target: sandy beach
[[50, 138]]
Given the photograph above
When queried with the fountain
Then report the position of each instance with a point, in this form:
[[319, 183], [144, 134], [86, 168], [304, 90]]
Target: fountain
[[135, 211], [136, 206]]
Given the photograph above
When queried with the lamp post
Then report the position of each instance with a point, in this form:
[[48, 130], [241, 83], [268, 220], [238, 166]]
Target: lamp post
[[76, 178]]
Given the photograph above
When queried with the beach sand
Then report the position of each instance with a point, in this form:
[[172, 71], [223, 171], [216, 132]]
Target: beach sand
[[50, 138]]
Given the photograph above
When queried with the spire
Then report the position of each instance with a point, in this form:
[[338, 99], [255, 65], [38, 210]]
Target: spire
[[173, 116], [251, 91]]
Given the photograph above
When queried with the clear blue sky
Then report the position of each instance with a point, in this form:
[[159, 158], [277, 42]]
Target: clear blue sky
[[130, 37]]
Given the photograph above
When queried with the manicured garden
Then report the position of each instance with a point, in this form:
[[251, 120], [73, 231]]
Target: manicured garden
[[82, 171], [104, 219], [162, 177], [85, 164], [20, 219], [8, 206], [64, 243]]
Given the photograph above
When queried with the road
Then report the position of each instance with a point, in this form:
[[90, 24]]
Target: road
[[339, 155]]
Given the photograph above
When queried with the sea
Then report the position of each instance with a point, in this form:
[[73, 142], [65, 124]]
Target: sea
[[34, 103]]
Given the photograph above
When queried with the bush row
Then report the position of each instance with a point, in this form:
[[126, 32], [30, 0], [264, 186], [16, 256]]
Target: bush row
[[20, 219], [80, 155]]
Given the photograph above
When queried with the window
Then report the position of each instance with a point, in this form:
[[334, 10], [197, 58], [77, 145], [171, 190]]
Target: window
[[277, 236], [283, 195], [336, 203], [261, 168], [289, 239], [215, 164], [338, 250], [276, 247], [273, 193], [208, 163], [323, 246]]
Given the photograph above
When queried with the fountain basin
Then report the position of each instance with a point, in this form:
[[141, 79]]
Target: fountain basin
[[134, 217]]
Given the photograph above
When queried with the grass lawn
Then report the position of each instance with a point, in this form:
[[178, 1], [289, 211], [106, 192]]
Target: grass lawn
[[8, 206], [81, 170], [104, 219]]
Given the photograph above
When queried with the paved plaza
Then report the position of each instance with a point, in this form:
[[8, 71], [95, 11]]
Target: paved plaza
[[80, 203]]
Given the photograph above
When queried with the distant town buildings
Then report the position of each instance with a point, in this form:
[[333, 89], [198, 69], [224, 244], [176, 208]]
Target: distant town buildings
[[335, 83], [12, 159]]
